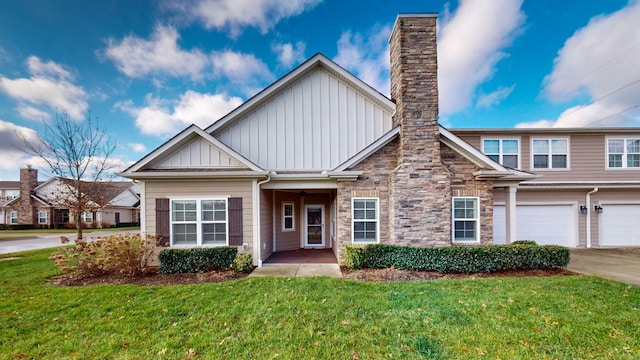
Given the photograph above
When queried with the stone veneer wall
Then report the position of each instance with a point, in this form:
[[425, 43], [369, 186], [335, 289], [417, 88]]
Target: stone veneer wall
[[374, 182], [463, 183], [24, 206], [420, 190]]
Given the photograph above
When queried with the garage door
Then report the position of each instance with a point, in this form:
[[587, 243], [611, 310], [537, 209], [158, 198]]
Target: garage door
[[620, 225], [546, 224]]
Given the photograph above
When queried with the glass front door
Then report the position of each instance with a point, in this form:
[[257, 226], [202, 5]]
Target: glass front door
[[314, 225]]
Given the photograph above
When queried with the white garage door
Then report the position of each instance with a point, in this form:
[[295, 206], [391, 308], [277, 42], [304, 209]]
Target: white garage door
[[620, 225], [546, 224]]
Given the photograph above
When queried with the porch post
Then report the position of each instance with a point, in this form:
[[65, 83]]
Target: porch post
[[510, 213]]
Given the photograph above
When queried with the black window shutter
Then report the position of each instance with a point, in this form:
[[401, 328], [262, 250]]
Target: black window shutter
[[235, 221], [162, 222]]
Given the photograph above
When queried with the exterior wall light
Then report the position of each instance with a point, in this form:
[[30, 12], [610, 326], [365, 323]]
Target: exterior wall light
[[584, 209], [598, 209]]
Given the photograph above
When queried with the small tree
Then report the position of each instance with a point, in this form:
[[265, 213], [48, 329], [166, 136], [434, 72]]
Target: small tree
[[79, 154]]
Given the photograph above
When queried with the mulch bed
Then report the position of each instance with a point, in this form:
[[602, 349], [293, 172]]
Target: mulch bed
[[371, 275]]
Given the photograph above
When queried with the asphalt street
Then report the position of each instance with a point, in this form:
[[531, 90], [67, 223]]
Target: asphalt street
[[47, 241]]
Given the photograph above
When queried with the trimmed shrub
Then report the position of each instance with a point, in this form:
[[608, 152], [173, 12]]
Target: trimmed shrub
[[466, 259], [180, 261], [122, 254], [355, 256], [243, 263], [524, 242]]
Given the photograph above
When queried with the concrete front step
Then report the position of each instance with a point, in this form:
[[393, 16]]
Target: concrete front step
[[298, 270]]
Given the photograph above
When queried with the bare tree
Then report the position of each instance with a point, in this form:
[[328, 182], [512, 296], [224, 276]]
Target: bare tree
[[79, 154]]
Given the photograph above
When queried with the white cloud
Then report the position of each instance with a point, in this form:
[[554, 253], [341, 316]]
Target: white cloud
[[235, 15], [137, 147], [12, 147], [161, 55], [48, 88], [32, 113], [164, 118], [47, 69], [471, 42], [246, 71], [289, 54], [367, 56], [599, 61], [495, 97]]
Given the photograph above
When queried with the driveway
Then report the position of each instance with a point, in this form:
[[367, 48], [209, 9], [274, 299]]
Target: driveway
[[43, 241], [620, 264]]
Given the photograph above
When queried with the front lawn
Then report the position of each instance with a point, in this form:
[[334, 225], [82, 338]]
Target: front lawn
[[304, 318]]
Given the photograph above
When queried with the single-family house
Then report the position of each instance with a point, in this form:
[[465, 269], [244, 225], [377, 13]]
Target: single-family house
[[42, 204]]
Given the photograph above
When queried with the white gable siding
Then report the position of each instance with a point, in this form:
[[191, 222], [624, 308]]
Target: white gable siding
[[124, 199], [317, 123], [198, 153]]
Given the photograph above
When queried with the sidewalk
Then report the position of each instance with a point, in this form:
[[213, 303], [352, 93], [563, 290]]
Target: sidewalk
[[298, 270]]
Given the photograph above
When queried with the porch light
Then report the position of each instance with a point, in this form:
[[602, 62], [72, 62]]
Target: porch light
[[598, 209], [584, 209]]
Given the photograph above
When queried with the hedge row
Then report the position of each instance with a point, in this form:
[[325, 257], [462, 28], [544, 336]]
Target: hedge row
[[180, 261], [457, 259]]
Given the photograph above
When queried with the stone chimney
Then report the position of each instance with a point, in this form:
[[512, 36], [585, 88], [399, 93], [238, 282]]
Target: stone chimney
[[28, 182], [420, 213]]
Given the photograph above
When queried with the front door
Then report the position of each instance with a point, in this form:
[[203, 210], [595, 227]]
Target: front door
[[314, 226]]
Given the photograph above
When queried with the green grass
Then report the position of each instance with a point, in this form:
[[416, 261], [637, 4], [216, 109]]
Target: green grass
[[568, 317], [27, 234]]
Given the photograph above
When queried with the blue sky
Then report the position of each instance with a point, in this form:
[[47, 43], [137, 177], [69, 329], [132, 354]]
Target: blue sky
[[148, 69]]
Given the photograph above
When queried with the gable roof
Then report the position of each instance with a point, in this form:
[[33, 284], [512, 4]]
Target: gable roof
[[318, 60], [147, 166]]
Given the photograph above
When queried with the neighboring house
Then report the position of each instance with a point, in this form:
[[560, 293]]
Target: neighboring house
[[589, 191], [39, 203], [319, 159], [9, 190]]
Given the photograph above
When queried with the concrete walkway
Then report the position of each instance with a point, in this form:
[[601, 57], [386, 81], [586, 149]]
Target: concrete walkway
[[620, 264], [298, 270]]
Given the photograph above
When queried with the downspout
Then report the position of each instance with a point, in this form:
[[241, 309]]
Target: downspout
[[588, 205], [256, 220]]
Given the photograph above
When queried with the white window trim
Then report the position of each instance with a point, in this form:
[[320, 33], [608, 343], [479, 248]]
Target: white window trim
[[549, 139], [40, 213], [377, 220], [13, 217], [293, 216], [624, 154], [453, 220], [84, 217], [518, 139], [198, 221]]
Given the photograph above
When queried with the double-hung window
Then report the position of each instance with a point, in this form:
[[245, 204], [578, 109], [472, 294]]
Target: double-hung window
[[87, 217], [466, 219], [13, 217], [287, 217], [42, 217], [623, 153], [503, 151], [199, 222], [550, 153], [365, 220]]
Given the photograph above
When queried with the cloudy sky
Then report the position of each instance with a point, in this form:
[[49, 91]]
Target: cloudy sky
[[149, 68]]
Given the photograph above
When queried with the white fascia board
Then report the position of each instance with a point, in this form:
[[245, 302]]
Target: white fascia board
[[197, 175], [170, 144], [468, 151], [315, 61], [366, 152], [300, 185]]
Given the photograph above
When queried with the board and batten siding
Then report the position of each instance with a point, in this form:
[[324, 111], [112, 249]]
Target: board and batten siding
[[317, 123], [198, 153], [200, 189]]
